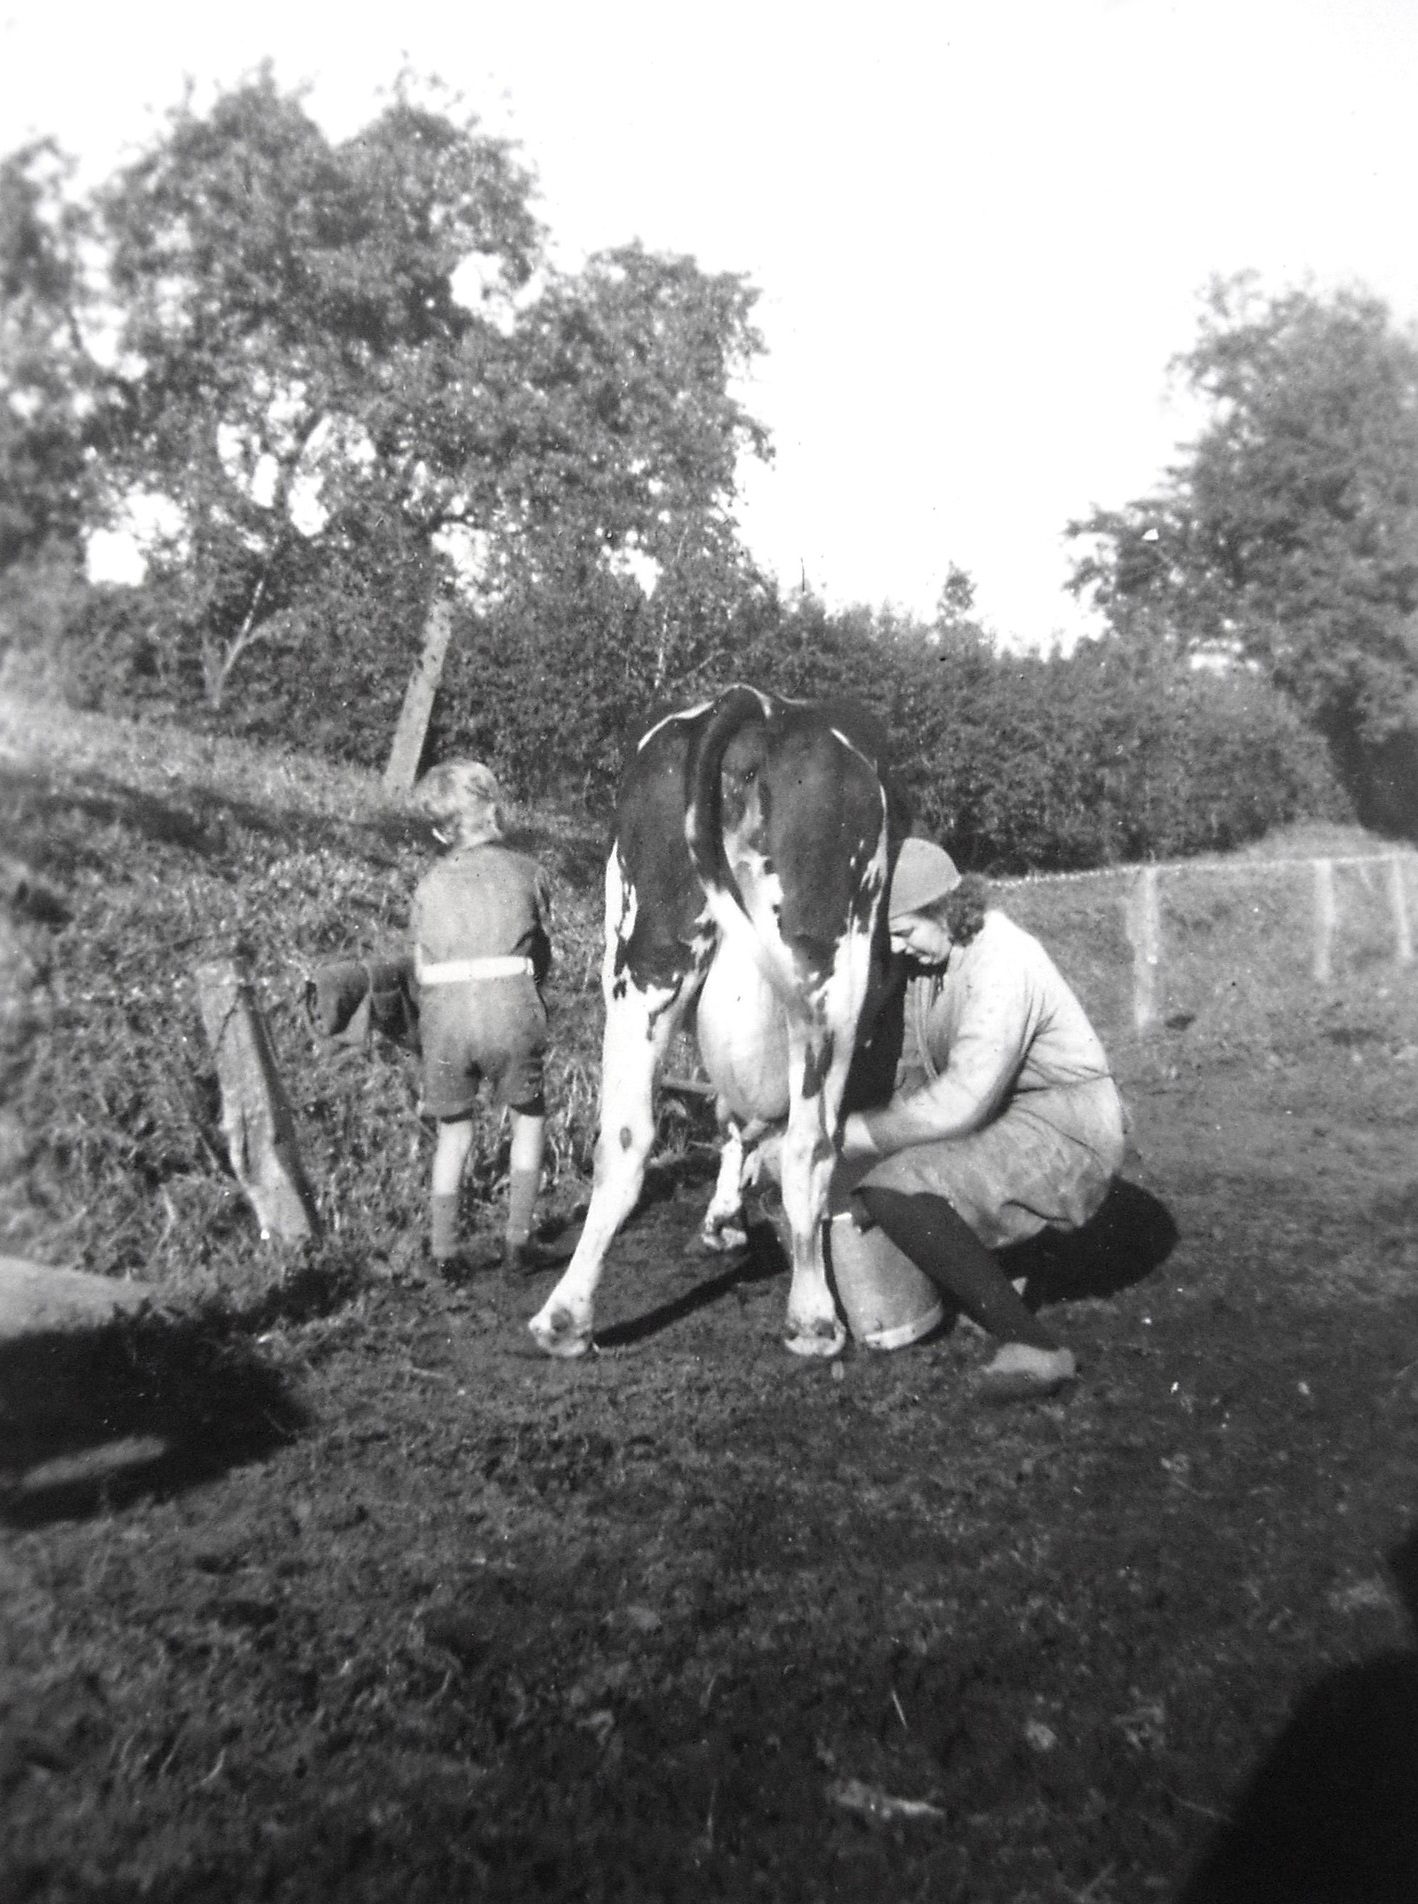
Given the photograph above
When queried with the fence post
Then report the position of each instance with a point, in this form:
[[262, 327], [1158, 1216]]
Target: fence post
[[256, 1116], [1324, 921], [1144, 930], [1398, 898]]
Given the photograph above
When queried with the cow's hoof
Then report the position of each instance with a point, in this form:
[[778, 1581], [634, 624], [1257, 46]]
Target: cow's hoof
[[824, 1340], [723, 1238], [557, 1332]]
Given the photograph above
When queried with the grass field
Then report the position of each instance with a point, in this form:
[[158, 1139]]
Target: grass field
[[318, 1583]]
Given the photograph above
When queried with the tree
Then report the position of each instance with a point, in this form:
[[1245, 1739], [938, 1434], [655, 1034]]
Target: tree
[[48, 379], [292, 349], [327, 346], [620, 438], [1288, 539], [954, 618]]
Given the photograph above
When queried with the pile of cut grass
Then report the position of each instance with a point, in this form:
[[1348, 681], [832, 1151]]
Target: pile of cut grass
[[157, 851]]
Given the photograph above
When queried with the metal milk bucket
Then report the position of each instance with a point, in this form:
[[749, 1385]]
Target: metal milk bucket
[[886, 1300]]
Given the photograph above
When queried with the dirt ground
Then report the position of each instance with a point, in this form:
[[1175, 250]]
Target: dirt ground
[[376, 1603]]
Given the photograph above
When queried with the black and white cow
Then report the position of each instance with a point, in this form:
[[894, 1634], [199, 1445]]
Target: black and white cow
[[755, 837]]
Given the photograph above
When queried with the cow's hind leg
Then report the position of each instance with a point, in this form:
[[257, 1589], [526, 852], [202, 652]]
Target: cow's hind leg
[[819, 1077], [639, 1025], [822, 1050]]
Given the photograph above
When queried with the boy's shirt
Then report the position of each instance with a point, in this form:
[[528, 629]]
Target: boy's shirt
[[483, 902]]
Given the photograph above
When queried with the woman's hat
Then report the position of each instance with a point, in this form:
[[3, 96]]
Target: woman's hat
[[924, 873]]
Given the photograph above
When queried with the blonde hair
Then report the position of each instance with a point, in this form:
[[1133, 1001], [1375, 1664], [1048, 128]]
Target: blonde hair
[[462, 800]]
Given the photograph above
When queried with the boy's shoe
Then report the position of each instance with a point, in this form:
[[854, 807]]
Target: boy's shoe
[[462, 1264], [452, 1265], [526, 1259], [1020, 1372]]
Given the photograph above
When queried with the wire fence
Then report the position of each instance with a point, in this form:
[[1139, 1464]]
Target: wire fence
[[1390, 879]]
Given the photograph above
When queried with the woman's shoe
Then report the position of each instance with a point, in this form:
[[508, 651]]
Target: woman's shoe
[[1021, 1372]]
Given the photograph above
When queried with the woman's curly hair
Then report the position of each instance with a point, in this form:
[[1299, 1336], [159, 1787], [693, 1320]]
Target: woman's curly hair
[[962, 911]]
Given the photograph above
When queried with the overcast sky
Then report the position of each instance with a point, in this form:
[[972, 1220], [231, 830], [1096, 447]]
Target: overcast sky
[[979, 227]]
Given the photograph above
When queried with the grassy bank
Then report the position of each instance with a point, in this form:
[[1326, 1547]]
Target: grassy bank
[[146, 852], [153, 850]]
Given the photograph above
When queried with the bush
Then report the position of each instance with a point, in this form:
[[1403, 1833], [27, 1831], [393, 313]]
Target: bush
[[1019, 762], [1063, 763], [331, 679], [552, 688]]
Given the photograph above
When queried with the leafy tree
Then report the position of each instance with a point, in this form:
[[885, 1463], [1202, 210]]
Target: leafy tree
[[955, 608], [293, 353], [614, 578], [48, 379], [329, 345], [1288, 539]]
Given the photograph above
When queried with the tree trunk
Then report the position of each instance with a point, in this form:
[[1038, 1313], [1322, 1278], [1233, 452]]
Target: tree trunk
[[410, 734]]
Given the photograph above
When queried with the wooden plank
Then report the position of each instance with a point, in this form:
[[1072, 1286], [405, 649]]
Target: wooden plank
[[256, 1116], [414, 716], [689, 1087]]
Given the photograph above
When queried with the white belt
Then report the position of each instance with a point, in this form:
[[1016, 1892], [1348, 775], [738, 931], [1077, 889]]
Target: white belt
[[459, 971]]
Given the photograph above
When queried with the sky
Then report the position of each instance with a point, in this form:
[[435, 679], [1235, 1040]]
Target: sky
[[980, 229]]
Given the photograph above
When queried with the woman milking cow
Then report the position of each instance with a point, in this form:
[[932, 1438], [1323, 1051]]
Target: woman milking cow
[[1004, 1120]]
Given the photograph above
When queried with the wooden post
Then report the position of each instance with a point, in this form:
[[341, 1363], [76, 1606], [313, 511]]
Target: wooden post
[[256, 1116], [1398, 899], [409, 735], [1324, 921], [1144, 930]]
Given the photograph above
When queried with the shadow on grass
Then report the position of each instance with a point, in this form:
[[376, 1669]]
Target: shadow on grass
[[665, 1177], [760, 1262], [95, 1419], [1132, 1235], [1330, 1815], [196, 819]]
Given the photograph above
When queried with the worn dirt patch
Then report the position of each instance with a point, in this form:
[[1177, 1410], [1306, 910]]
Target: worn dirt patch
[[319, 1583], [469, 1623]]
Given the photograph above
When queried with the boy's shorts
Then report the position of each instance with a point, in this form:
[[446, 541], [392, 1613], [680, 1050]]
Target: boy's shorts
[[487, 1031]]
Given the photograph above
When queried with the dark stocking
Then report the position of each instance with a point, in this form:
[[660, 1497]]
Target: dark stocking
[[945, 1248]]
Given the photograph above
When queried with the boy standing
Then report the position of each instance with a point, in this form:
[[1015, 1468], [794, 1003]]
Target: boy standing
[[480, 924]]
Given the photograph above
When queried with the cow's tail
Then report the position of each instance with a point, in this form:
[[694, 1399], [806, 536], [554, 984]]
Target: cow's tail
[[736, 709]]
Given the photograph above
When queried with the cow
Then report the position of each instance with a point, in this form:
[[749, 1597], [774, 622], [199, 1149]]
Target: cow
[[754, 842]]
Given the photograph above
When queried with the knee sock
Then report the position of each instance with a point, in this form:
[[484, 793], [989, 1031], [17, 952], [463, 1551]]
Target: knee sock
[[443, 1226], [942, 1244], [522, 1188]]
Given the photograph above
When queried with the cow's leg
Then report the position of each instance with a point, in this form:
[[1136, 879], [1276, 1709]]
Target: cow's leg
[[821, 1058], [723, 1226], [642, 1015], [639, 1025], [819, 1076]]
